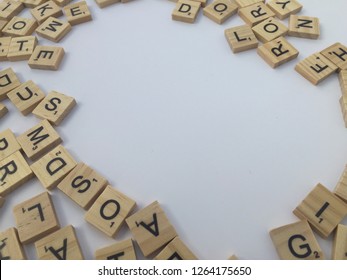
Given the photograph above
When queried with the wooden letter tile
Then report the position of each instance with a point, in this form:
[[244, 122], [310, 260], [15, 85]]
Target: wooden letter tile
[[35, 218], [8, 144], [10, 247], [109, 211], [269, 30], [60, 245], [46, 58], [245, 3], [46, 10], [2, 201], [304, 27], [62, 3], [32, 3], [343, 81], [241, 38], [315, 68], [4, 47], [14, 172], [53, 167], [55, 107], [83, 185], [19, 26], [9, 9], [54, 29], [151, 228], [220, 10], [21, 48], [3, 23], [296, 242], [341, 188], [3, 110], [39, 140], [322, 209], [255, 13], [176, 250], [186, 11], [337, 54], [340, 243], [277, 52], [106, 3], [119, 251], [8, 81], [77, 13], [285, 8]]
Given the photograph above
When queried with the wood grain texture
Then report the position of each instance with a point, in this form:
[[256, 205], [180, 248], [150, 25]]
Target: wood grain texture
[[186, 11], [123, 250], [11, 248], [241, 38], [255, 13], [304, 27], [220, 10], [283, 9]]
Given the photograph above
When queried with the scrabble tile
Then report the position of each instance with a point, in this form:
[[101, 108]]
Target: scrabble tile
[[60, 245], [10, 247], [285, 8], [83, 185], [304, 27], [255, 13], [322, 209], [106, 3], [315, 68], [176, 250], [46, 58], [269, 30], [32, 3], [3, 110], [337, 54], [21, 48], [77, 13], [203, 3], [241, 38], [26, 97], [35, 218], [39, 140], [186, 11], [151, 228], [343, 81], [220, 10], [19, 26], [9, 9], [46, 10], [341, 187], [245, 3], [55, 107], [62, 3], [340, 243], [2, 201], [296, 242], [277, 52], [14, 172], [8, 144], [54, 29], [3, 23], [119, 251], [8, 81], [4, 47], [233, 258], [53, 167], [109, 211]]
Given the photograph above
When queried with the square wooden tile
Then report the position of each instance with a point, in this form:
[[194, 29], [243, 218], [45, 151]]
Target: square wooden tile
[[53, 167], [32, 3], [269, 30], [186, 11], [245, 3], [9, 9], [220, 10], [77, 13], [54, 29], [284, 9], [3, 110], [2, 201], [151, 228], [46, 58], [62, 3], [60, 245], [343, 81], [14, 172], [83, 185], [255, 13], [39, 140], [296, 242], [337, 54], [315, 68], [106, 3], [277, 52], [26, 97], [10, 247], [8, 144], [109, 211], [35, 218], [123, 250], [304, 27], [46, 10], [55, 107], [176, 250], [19, 26], [4, 47], [241, 38], [21, 48], [339, 251], [322, 209], [8, 81], [341, 187]]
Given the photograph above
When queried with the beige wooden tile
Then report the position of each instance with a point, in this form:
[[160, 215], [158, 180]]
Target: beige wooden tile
[[2, 201], [233, 258], [62, 3], [4, 47], [341, 187], [220, 10], [106, 3], [35, 218], [322, 209], [284, 9], [46, 58], [10, 247], [277, 52], [55, 107], [3, 23], [8, 81], [26, 97], [123, 250], [46, 10], [54, 29], [14, 172], [245, 3], [269, 30], [60, 245], [3, 110], [151, 228], [255, 13], [343, 81], [21, 48], [19, 26], [296, 242], [186, 11], [241, 38], [9, 9], [77, 13], [8, 144], [109, 211], [176, 250], [83, 185], [39, 140], [53, 167], [203, 3], [32, 3], [304, 27], [339, 251], [315, 68], [337, 54]]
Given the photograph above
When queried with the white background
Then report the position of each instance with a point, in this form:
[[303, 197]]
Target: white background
[[167, 112]]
